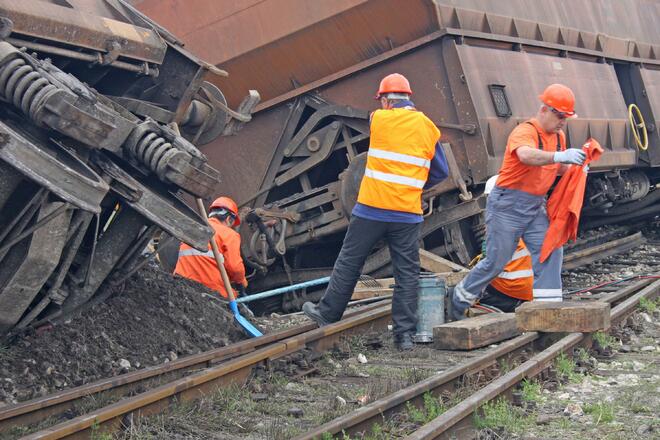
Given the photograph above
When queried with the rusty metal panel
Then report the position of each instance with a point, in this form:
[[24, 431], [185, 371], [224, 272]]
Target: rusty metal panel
[[318, 49], [219, 30], [592, 36], [243, 160], [600, 103], [647, 89], [56, 23], [622, 19], [277, 46]]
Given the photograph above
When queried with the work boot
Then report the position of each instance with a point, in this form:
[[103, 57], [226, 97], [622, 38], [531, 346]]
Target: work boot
[[311, 310], [404, 342]]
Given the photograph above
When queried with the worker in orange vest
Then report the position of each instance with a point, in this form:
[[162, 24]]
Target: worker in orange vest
[[201, 266], [404, 157], [535, 154], [515, 283]]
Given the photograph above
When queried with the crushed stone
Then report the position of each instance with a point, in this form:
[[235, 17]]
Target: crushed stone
[[154, 317]]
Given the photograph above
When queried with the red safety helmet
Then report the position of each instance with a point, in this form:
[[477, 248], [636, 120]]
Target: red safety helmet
[[394, 83], [228, 204], [560, 98]]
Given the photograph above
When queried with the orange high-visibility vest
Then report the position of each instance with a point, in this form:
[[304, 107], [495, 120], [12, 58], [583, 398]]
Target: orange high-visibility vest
[[517, 278], [402, 145], [201, 266]]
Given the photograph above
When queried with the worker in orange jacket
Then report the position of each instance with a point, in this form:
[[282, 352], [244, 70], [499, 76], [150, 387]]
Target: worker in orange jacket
[[201, 266], [404, 157], [514, 284], [535, 154]]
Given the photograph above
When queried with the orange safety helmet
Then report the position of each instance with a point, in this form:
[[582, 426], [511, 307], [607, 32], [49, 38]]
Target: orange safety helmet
[[394, 83], [228, 204], [560, 98]]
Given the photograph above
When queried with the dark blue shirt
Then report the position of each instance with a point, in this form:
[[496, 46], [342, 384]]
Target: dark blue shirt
[[437, 173]]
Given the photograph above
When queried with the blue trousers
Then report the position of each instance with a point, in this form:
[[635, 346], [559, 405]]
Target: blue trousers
[[510, 215]]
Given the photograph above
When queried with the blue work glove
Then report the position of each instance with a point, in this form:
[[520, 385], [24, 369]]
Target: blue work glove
[[571, 156]]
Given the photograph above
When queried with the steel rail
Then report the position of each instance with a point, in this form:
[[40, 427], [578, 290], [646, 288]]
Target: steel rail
[[233, 371], [35, 410], [375, 412], [601, 251], [439, 427]]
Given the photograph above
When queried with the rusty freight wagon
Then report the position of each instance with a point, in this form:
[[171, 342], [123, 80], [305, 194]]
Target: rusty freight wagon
[[476, 67]]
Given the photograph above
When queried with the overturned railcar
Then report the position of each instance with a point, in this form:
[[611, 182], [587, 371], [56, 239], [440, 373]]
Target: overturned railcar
[[476, 67], [92, 164]]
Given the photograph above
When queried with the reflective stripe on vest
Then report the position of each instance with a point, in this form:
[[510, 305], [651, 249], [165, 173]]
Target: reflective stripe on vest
[[547, 295], [393, 178], [194, 252], [519, 254], [516, 274], [401, 148], [517, 279], [398, 157]]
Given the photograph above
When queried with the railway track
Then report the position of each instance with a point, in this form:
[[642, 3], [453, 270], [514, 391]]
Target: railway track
[[187, 378], [202, 373], [452, 422]]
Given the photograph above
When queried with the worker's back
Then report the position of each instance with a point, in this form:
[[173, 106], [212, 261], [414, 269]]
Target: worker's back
[[201, 266]]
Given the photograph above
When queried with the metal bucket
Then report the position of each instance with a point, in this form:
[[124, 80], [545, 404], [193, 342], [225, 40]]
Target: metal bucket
[[430, 306]]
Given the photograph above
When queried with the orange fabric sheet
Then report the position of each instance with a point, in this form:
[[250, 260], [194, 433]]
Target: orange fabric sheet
[[565, 203]]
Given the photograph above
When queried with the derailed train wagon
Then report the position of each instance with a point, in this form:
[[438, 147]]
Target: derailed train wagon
[[91, 162], [476, 68]]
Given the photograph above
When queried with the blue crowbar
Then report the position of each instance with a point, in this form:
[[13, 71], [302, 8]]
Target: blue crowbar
[[250, 329]]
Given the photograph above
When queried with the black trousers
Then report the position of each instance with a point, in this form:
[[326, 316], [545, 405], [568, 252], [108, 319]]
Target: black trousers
[[361, 237], [495, 298]]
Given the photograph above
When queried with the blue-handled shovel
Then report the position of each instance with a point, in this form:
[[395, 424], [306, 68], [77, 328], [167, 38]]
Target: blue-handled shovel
[[250, 329]]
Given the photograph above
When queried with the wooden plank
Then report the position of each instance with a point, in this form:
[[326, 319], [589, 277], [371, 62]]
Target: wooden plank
[[434, 263], [453, 278], [566, 316], [373, 292], [363, 292], [472, 333]]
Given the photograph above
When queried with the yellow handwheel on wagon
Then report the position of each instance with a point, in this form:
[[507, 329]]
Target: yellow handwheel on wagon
[[638, 127]]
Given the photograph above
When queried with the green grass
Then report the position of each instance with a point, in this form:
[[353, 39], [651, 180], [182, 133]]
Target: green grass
[[378, 432], [504, 365], [648, 305], [601, 412], [501, 415], [604, 340], [531, 391], [582, 354], [431, 409], [97, 435], [639, 408], [565, 367]]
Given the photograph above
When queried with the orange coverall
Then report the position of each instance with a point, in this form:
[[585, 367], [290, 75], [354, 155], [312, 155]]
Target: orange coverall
[[201, 266]]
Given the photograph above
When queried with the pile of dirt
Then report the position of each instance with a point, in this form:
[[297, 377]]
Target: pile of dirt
[[153, 318]]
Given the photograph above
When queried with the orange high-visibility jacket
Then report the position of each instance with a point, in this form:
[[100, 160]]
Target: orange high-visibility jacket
[[517, 278], [565, 203], [400, 151], [201, 266]]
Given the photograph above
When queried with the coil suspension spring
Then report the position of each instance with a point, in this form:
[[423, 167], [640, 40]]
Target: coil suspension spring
[[24, 86], [153, 151]]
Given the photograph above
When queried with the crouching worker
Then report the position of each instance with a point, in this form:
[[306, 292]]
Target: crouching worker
[[515, 283], [404, 157], [201, 266]]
